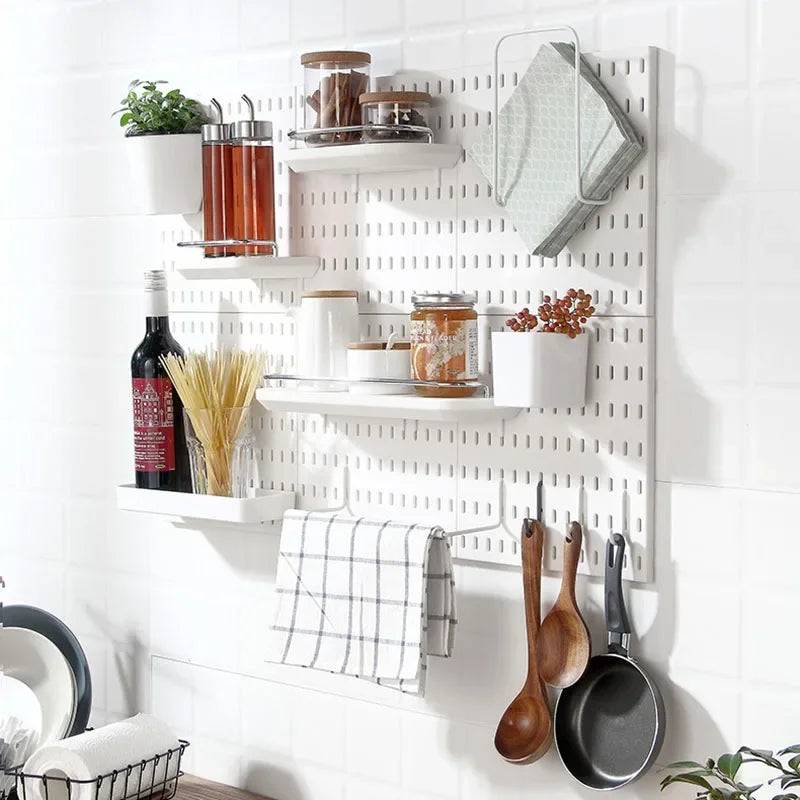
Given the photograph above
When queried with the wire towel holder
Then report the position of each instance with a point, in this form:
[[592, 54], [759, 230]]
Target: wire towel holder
[[495, 128]]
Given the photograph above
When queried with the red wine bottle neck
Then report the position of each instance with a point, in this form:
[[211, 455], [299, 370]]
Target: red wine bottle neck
[[157, 324]]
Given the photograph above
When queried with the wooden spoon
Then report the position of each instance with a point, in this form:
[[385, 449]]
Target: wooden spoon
[[525, 731], [564, 644]]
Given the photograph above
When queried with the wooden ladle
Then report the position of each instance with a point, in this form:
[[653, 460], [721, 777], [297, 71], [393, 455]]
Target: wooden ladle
[[525, 731], [564, 643]]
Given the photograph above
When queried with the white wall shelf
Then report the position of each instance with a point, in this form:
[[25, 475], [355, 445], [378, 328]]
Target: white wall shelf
[[261, 506], [195, 266], [360, 159], [389, 406]]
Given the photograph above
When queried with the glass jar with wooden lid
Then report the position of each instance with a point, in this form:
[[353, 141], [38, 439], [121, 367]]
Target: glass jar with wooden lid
[[395, 108], [333, 81], [444, 342]]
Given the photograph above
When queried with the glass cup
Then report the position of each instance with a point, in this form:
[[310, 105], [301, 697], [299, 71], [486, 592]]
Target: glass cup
[[220, 444]]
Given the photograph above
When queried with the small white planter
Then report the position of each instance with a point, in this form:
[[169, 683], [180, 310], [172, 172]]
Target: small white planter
[[539, 370], [166, 172]]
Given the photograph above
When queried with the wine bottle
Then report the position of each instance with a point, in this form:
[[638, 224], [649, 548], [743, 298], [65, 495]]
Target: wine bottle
[[162, 461]]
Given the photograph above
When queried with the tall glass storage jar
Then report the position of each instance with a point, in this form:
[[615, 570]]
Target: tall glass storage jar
[[334, 80], [253, 185]]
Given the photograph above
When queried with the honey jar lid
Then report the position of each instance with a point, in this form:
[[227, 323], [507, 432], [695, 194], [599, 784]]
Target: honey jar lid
[[444, 299], [378, 345], [394, 97], [344, 57]]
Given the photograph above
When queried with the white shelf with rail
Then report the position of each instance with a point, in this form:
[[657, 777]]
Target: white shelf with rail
[[387, 406], [261, 506]]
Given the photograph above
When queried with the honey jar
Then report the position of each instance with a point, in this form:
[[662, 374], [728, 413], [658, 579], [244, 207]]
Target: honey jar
[[444, 342]]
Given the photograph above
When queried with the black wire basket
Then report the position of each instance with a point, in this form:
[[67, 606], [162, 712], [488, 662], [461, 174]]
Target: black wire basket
[[155, 777]]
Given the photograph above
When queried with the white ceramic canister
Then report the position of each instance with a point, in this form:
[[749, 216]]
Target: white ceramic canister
[[375, 360], [326, 323]]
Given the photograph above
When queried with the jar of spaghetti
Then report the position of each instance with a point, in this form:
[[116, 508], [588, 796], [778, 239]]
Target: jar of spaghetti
[[444, 342]]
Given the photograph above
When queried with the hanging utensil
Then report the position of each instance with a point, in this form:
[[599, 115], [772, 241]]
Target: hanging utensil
[[525, 731], [609, 726], [564, 645]]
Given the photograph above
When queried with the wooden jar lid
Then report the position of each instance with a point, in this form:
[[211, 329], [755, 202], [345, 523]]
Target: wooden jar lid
[[394, 97], [343, 57], [331, 293]]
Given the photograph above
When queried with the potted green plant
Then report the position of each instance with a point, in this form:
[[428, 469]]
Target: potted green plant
[[540, 362], [162, 132], [717, 780]]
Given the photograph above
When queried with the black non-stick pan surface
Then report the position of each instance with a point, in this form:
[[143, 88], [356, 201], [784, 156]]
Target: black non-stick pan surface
[[609, 726]]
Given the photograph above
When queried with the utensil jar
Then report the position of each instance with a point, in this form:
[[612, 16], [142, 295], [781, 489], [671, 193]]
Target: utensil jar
[[220, 450], [253, 169]]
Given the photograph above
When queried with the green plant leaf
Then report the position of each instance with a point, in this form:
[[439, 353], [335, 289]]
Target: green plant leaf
[[729, 764], [720, 794], [765, 756], [794, 748], [694, 780], [794, 763]]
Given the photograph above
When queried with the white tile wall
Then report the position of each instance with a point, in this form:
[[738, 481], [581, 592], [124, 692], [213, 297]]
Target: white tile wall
[[174, 619]]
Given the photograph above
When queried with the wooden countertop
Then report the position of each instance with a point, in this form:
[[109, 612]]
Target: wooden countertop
[[193, 788]]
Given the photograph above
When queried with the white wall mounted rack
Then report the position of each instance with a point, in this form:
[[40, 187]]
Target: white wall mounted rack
[[194, 264], [388, 238], [373, 157], [261, 506]]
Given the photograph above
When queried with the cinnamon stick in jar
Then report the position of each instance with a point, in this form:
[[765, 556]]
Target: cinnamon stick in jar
[[334, 80]]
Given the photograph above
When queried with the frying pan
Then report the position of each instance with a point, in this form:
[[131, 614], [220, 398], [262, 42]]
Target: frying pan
[[609, 726]]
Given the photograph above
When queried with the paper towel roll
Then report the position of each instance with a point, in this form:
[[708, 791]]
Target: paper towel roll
[[98, 752]]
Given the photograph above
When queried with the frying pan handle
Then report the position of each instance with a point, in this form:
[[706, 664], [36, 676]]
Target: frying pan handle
[[617, 623]]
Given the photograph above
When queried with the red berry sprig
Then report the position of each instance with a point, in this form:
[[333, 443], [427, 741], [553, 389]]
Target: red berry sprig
[[523, 321], [567, 314]]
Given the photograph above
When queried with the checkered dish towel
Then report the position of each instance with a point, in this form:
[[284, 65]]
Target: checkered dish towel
[[364, 598]]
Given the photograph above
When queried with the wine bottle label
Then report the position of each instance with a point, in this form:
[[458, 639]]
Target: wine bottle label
[[153, 425]]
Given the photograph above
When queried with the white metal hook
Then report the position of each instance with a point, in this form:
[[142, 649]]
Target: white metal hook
[[345, 507], [496, 119], [501, 517]]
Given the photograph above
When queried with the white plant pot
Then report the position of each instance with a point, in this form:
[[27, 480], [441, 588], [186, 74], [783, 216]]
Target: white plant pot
[[539, 370], [166, 172]]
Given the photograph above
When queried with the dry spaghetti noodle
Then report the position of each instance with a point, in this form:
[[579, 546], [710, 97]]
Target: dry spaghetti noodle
[[216, 390]]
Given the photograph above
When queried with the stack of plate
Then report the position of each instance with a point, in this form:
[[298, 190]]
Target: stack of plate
[[44, 678]]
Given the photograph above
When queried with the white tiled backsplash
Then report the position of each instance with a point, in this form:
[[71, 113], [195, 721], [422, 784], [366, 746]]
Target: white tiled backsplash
[[174, 619]]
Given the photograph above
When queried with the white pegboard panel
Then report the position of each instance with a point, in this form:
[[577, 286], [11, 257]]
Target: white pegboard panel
[[389, 235], [596, 463]]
